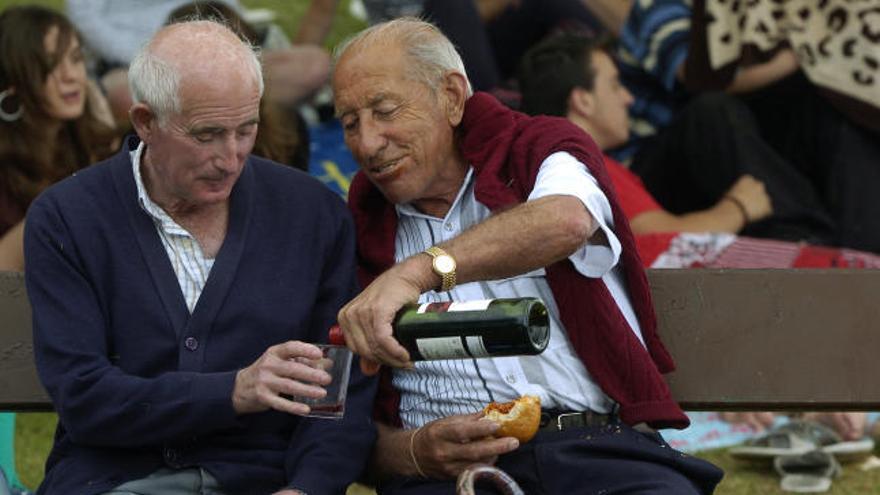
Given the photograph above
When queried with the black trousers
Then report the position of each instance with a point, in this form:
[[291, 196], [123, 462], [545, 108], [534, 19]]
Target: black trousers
[[840, 157], [612, 459], [713, 141]]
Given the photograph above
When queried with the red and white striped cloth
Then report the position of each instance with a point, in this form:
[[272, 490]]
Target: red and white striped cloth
[[719, 250]]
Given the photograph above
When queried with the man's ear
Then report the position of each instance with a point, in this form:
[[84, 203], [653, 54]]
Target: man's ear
[[143, 120], [581, 102], [455, 92]]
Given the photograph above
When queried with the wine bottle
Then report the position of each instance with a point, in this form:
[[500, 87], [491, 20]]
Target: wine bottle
[[466, 329]]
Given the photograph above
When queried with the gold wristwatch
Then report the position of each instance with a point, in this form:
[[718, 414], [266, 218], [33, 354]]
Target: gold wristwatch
[[443, 265]]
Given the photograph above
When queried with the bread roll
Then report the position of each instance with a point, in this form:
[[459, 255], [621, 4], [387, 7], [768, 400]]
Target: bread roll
[[519, 419]]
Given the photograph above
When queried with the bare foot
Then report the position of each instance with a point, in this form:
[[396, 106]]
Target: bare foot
[[849, 425]]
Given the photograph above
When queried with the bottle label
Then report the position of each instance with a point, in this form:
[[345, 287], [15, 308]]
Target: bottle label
[[444, 307], [475, 345], [452, 347]]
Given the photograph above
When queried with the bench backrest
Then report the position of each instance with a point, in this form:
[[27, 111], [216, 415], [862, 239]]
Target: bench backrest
[[742, 339], [20, 390]]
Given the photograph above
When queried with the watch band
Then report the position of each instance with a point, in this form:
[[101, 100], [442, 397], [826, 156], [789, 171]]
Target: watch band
[[447, 276]]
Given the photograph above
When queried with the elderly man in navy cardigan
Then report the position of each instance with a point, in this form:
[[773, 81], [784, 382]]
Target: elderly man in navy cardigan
[[513, 206], [175, 285]]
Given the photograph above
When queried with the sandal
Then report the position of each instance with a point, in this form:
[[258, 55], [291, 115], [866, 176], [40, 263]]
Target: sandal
[[798, 437], [807, 473], [829, 441], [771, 445]]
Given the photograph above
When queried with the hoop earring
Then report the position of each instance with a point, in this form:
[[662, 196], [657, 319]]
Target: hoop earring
[[9, 117]]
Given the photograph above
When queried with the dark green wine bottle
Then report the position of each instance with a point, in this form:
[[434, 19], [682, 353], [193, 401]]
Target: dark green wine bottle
[[466, 329]]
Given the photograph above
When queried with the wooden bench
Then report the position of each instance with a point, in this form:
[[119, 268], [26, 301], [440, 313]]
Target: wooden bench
[[742, 339]]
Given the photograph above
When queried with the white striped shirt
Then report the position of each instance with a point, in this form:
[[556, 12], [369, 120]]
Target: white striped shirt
[[189, 262], [436, 389]]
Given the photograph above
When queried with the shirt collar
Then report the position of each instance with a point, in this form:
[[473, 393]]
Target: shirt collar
[[409, 210], [146, 203]]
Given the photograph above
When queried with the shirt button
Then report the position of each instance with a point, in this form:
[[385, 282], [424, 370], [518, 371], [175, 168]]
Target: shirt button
[[191, 343], [448, 226]]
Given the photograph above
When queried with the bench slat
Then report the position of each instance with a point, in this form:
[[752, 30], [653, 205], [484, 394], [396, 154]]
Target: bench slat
[[742, 339], [20, 389], [771, 339]]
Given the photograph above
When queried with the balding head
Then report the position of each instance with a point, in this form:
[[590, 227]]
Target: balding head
[[430, 55], [186, 57]]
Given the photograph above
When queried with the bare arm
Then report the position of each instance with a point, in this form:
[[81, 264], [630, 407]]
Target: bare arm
[[12, 248], [442, 448], [316, 22], [725, 216], [529, 236], [757, 76]]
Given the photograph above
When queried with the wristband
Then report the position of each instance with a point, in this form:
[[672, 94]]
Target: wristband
[[742, 208]]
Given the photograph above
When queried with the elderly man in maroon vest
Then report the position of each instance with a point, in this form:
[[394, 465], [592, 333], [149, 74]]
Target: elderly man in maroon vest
[[524, 207]]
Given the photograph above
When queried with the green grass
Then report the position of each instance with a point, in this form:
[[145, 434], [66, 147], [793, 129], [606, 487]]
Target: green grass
[[288, 14], [33, 440], [34, 437]]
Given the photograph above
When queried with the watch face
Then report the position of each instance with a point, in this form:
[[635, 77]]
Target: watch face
[[444, 264]]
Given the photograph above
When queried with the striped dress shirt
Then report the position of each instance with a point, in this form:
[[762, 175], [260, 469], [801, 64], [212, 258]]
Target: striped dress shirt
[[189, 262]]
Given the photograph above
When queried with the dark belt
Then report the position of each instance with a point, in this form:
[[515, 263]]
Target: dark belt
[[553, 420]]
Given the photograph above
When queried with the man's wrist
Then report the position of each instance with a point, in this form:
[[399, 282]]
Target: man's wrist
[[740, 206], [417, 269], [444, 266]]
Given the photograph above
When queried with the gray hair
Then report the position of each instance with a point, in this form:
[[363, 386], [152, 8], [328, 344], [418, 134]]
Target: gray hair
[[155, 81], [430, 51]]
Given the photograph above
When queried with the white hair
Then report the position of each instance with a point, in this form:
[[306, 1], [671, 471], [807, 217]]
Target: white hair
[[155, 81], [430, 52]]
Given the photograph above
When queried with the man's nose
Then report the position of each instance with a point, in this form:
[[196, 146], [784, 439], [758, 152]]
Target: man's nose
[[230, 150], [371, 138], [628, 98]]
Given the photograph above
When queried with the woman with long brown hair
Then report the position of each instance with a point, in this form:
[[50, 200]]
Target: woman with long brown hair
[[49, 124]]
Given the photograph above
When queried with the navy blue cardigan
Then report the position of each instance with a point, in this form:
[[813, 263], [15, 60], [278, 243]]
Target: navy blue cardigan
[[139, 383]]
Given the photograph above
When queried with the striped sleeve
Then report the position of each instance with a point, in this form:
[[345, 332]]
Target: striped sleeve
[[655, 38]]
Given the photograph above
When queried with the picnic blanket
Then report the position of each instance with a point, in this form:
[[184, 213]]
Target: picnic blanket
[[721, 250]]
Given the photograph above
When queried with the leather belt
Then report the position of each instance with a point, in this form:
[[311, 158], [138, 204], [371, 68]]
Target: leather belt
[[563, 420]]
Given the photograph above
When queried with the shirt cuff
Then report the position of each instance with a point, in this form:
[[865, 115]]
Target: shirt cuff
[[562, 174]]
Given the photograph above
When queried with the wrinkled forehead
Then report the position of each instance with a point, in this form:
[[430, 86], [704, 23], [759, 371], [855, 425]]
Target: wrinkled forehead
[[367, 69], [378, 56]]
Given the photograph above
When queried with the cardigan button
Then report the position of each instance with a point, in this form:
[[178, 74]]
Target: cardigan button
[[191, 343]]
